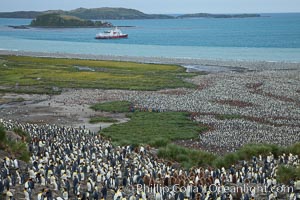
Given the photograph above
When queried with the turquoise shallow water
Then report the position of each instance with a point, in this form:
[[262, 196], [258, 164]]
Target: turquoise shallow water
[[275, 37]]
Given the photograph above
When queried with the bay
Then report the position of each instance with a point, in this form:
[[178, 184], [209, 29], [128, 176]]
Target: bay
[[273, 37]]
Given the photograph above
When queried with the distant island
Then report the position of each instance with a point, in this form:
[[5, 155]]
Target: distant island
[[65, 21], [94, 13], [207, 15], [115, 13], [21, 14]]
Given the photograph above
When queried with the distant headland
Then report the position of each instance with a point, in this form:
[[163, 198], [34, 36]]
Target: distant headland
[[115, 13], [94, 14]]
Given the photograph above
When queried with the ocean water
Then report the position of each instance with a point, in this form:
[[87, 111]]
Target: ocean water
[[273, 37]]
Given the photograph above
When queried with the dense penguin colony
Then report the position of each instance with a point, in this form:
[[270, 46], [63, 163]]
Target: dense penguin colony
[[68, 163]]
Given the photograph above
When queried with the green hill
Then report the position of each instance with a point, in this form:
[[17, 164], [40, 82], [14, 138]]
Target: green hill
[[116, 13], [94, 13], [113, 13], [20, 14], [57, 20]]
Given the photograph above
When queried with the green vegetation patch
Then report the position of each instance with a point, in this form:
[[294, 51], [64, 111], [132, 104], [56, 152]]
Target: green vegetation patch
[[2, 134], [17, 149], [247, 152], [95, 120], [155, 129], [294, 149], [187, 157], [113, 106], [287, 173], [23, 134], [50, 75]]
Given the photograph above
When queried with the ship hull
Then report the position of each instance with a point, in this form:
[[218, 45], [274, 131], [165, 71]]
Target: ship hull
[[112, 37]]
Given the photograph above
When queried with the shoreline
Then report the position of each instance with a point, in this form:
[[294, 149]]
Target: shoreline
[[238, 65]]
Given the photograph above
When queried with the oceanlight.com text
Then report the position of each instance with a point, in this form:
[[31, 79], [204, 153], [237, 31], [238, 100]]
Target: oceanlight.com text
[[244, 188]]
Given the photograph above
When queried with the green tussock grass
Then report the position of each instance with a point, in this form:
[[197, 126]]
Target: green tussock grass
[[17, 149], [246, 153], [155, 129], [95, 120], [287, 173], [22, 133], [41, 75], [294, 149], [2, 133], [187, 157], [113, 106]]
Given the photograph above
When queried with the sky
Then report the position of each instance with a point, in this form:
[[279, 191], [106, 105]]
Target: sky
[[159, 6]]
